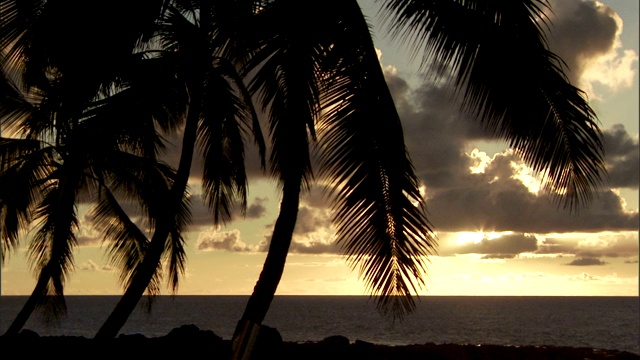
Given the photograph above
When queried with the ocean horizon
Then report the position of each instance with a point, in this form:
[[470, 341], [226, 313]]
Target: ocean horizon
[[579, 321]]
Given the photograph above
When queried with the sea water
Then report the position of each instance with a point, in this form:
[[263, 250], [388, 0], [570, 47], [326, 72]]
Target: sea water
[[595, 322]]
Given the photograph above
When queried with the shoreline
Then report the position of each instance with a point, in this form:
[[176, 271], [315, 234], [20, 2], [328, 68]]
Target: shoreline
[[189, 341]]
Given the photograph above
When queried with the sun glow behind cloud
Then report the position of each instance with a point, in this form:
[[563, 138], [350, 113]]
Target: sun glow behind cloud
[[521, 172]]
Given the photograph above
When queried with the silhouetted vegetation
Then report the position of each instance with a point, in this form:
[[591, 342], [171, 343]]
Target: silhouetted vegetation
[[87, 120]]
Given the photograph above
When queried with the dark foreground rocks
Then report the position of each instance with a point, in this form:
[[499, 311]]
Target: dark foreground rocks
[[189, 342]]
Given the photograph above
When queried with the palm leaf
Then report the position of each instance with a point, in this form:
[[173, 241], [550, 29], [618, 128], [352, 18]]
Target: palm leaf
[[225, 118], [23, 172], [513, 84], [127, 243], [379, 211]]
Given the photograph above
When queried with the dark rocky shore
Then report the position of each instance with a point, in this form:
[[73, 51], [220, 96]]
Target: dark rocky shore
[[189, 342]]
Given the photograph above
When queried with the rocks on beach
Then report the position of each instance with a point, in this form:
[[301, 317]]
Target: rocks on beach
[[190, 342]]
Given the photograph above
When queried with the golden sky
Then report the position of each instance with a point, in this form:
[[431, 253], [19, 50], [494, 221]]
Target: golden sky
[[497, 235]]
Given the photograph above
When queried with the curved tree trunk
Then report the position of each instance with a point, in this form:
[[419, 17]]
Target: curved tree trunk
[[31, 304], [136, 289], [146, 270], [264, 291], [52, 273]]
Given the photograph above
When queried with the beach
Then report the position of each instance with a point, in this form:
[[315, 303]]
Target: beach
[[190, 342]]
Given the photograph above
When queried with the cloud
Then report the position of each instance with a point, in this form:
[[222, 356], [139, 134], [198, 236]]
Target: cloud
[[503, 247], [466, 189], [312, 219], [591, 245], [498, 200], [586, 35], [314, 233], [257, 209], [313, 247], [622, 158], [223, 240], [202, 216], [587, 262], [511, 245], [90, 265]]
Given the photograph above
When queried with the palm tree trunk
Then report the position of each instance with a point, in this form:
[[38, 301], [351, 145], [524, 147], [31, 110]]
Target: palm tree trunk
[[135, 290], [31, 304], [264, 291], [146, 270]]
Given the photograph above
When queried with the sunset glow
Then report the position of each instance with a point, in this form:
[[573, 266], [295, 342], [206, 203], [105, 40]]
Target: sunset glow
[[497, 232]]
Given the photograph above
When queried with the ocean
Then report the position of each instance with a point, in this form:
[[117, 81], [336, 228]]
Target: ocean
[[595, 322]]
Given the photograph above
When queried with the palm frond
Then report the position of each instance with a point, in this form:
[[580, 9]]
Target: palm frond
[[249, 116], [145, 95], [51, 249], [174, 248], [49, 297], [379, 212], [127, 243], [24, 171], [287, 82], [226, 119], [513, 84], [176, 259]]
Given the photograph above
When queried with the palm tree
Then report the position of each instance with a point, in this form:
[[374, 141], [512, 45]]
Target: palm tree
[[321, 67], [35, 46], [65, 146], [44, 174], [219, 113], [219, 132], [327, 73]]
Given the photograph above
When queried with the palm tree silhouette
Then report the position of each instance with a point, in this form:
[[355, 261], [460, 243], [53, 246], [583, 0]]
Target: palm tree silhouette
[[219, 114], [327, 74], [70, 143], [321, 66], [49, 168], [316, 75]]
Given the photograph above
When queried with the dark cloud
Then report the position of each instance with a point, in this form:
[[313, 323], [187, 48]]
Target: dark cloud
[[311, 220], [495, 201], [612, 246], [439, 138], [437, 135], [581, 30], [507, 246], [622, 157], [314, 233], [557, 246], [587, 262], [201, 215], [257, 208], [317, 196]]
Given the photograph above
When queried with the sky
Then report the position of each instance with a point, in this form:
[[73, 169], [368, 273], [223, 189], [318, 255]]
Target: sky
[[497, 235]]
